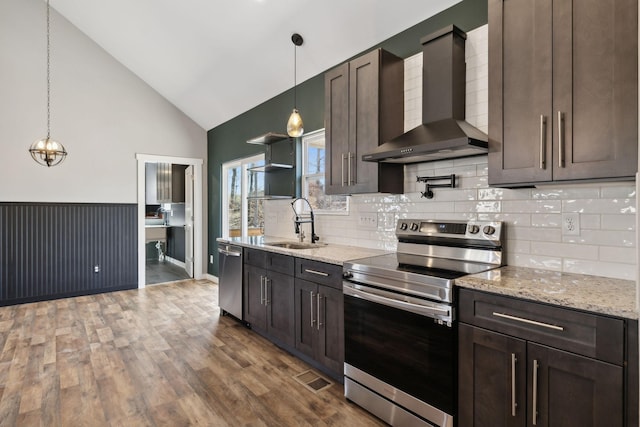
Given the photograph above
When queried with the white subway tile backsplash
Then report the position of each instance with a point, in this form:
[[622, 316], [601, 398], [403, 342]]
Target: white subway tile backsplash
[[607, 269], [606, 245], [616, 254], [533, 206], [565, 249], [617, 222], [602, 206]]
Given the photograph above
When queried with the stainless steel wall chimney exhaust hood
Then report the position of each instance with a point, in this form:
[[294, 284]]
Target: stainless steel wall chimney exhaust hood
[[444, 133]]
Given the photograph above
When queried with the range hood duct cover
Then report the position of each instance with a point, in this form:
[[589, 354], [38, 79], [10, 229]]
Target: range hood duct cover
[[444, 133]]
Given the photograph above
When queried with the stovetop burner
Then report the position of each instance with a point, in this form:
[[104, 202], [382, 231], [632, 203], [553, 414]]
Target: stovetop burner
[[430, 256]]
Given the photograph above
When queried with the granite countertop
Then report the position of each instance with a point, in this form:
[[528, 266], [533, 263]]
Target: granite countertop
[[603, 295], [329, 253], [614, 297]]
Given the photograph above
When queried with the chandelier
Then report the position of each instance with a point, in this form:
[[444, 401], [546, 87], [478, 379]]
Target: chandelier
[[48, 152]]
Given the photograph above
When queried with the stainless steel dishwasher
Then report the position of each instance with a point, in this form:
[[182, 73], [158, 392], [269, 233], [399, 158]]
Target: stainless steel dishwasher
[[230, 279]]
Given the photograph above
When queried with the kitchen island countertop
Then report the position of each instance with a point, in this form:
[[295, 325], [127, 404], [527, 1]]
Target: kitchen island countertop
[[614, 297]]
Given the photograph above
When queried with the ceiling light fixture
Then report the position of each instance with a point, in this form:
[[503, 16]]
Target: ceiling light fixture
[[295, 127], [48, 152]]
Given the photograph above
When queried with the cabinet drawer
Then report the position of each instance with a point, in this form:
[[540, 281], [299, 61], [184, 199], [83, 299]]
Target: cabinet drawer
[[591, 335], [281, 263], [319, 272], [255, 257]]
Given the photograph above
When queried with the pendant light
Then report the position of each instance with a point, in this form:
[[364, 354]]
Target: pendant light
[[295, 127], [48, 152]]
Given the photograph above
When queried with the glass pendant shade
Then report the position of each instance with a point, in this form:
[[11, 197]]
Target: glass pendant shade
[[48, 152], [295, 127]]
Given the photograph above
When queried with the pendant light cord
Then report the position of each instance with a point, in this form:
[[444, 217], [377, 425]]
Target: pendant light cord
[[48, 74], [295, 75]]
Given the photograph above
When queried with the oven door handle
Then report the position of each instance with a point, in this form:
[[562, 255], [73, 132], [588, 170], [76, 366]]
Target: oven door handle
[[442, 312]]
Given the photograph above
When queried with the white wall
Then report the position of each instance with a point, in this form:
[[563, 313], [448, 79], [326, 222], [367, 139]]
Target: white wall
[[606, 245], [101, 112]]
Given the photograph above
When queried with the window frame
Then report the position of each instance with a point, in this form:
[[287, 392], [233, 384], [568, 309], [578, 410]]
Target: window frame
[[244, 164], [309, 138]]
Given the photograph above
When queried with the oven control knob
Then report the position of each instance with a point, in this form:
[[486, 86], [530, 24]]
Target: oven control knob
[[474, 229], [489, 230], [414, 226], [403, 226], [347, 275]]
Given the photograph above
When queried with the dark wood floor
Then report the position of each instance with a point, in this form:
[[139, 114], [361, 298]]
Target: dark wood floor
[[160, 356]]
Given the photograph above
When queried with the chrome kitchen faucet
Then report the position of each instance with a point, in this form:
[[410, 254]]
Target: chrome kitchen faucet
[[301, 220]]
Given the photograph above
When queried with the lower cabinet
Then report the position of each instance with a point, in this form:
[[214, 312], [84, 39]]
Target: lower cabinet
[[269, 295], [319, 311], [297, 303], [515, 378]]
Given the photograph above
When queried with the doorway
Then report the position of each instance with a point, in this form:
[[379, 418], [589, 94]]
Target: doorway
[[189, 213]]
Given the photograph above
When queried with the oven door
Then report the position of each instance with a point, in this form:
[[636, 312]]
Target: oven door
[[401, 341]]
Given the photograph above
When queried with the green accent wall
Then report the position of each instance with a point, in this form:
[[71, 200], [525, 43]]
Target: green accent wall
[[228, 141]]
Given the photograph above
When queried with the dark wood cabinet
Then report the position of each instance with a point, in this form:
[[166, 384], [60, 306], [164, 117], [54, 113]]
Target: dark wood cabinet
[[563, 91], [176, 243], [507, 379], [281, 171], [269, 295], [364, 107], [319, 314]]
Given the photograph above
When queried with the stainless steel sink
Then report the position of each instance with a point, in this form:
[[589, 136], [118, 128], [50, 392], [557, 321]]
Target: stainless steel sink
[[296, 245]]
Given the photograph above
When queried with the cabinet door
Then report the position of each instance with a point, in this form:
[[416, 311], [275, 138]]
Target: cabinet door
[[254, 308], [520, 91], [595, 88], [280, 307], [336, 101], [364, 118], [568, 390], [306, 316], [489, 394], [330, 337]]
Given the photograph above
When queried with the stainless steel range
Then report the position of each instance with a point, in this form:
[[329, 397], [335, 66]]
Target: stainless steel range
[[400, 325]]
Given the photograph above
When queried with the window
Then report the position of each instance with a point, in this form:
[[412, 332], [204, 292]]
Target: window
[[242, 194], [313, 160]]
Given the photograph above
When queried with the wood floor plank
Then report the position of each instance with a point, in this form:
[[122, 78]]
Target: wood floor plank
[[159, 356]]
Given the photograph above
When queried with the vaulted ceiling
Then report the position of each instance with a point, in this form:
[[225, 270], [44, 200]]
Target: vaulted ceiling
[[215, 59]]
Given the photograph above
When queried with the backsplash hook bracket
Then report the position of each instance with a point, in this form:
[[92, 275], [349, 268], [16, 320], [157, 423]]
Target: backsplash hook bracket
[[426, 179]]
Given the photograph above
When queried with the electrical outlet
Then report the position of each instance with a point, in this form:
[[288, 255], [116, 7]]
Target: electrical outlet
[[571, 224], [96, 269], [210, 259], [368, 220]]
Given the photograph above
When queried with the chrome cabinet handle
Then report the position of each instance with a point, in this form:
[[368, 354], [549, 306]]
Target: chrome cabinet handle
[[266, 291], [342, 170], [560, 140], [319, 323], [228, 253], [513, 384], [543, 148], [261, 290], [311, 306], [319, 273], [349, 156], [529, 321], [535, 392]]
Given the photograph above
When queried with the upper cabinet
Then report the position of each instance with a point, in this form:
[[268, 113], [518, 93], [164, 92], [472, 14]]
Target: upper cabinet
[[364, 107], [281, 174], [165, 183], [563, 90]]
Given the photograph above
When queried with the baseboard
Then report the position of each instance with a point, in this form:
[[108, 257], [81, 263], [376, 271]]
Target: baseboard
[[175, 261], [211, 278]]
